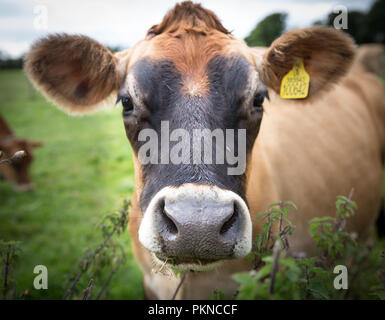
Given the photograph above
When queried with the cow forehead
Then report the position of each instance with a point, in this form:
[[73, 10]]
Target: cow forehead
[[190, 53], [192, 57]]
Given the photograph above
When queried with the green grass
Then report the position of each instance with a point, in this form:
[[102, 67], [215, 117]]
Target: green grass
[[82, 172]]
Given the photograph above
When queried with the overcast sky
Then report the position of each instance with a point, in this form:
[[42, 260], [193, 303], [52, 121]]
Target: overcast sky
[[124, 22]]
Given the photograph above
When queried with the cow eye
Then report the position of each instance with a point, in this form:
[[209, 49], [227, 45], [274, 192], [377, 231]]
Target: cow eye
[[127, 104], [259, 98]]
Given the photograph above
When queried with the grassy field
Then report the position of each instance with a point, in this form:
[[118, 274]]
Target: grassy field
[[82, 172]]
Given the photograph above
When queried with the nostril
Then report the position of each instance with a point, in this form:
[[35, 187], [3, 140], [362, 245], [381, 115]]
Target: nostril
[[169, 224], [230, 221]]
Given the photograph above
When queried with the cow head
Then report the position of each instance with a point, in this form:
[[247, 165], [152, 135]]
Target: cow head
[[188, 74], [17, 171]]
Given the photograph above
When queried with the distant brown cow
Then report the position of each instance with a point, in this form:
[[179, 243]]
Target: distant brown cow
[[191, 73], [16, 172], [372, 57]]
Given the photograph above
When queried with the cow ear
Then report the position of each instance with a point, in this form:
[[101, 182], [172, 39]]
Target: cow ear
[[327, 55], [75, 72]]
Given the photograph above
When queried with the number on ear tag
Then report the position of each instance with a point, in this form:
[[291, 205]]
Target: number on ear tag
[[295, 84]]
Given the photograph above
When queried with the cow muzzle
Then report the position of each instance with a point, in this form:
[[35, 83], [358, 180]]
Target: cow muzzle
[[196, 225]]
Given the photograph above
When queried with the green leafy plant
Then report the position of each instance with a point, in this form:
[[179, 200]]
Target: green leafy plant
[[277, 213], [9, 254], [329, 232], [218, 295], [109, 255], [276, 275]]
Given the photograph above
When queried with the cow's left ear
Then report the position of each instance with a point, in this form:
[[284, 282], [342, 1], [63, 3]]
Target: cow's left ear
[[327, 55], [74, 71]]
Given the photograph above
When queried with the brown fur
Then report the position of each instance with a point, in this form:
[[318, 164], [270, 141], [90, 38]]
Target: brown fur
[[74, 71], [189, 17], [372, 57]]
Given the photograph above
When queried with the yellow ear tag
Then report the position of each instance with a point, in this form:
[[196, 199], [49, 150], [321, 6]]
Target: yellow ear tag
[[295, 84]]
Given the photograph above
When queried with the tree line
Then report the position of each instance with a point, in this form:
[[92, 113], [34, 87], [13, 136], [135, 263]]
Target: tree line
[[364, 27]]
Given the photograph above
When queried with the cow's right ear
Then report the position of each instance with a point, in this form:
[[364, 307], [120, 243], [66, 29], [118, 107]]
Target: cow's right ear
[[75, 72]]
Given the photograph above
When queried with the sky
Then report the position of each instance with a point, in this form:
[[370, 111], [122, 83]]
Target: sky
[[124, 22]]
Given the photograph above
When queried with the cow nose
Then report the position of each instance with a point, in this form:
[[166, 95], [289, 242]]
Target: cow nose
[[197, 222], [198, 228]]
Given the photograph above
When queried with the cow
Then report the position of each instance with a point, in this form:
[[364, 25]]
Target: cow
[[372, 57], [17, 171], [192, 73]]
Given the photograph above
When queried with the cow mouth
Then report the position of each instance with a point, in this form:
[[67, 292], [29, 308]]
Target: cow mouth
[[197, 265]]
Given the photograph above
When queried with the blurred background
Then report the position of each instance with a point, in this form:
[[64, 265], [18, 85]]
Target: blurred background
[[84, 170]]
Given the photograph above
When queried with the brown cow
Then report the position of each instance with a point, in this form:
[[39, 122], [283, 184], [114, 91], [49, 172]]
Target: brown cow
[[16, 172], [372, 57], [191, 73]]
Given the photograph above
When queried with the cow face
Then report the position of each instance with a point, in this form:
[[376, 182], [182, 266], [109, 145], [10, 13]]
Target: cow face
[[17, 172], [189, 75], [194, 210]]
